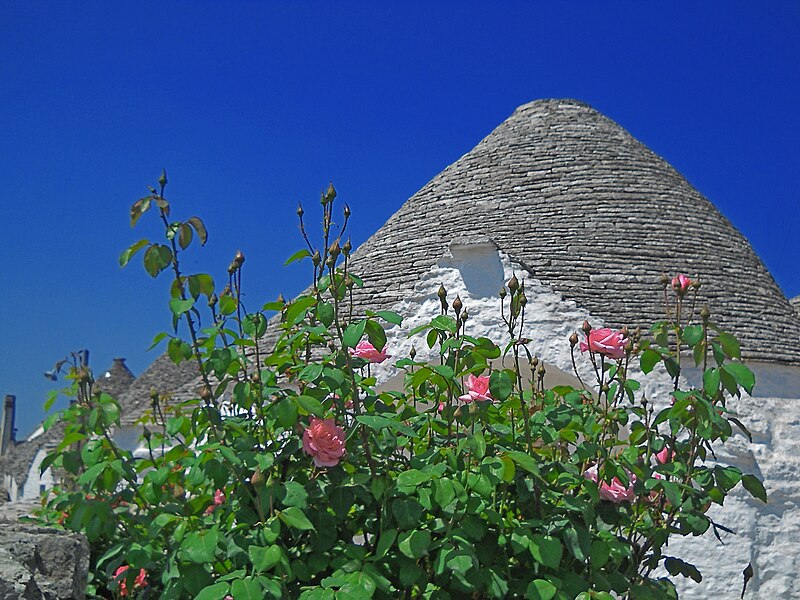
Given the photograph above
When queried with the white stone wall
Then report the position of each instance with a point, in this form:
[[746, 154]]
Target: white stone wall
[[32, 486], [766, 535]]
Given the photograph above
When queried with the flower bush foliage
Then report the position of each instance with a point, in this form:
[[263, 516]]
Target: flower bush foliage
[[291, 476]]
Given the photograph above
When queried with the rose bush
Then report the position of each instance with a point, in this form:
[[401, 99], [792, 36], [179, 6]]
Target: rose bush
[[290, 475]]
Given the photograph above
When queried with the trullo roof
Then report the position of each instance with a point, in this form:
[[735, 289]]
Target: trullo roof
[[594, 214]]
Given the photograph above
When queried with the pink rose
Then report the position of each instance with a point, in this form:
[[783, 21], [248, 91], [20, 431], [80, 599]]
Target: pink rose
[[665, 455], [139, 582], [614, 491], [605, 341], [323, 440], [477, 388], [369, 353], [681, 283], [219, 498]]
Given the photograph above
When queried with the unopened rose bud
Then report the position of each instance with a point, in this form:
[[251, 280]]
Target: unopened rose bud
[[330, 193], [212, 301], [257, 377], [573, 340], [457, 305], [523, 299], [473, 408], [146, 433], [442, 293], [705, 313], [335, 250], [206, 394], [348, 282], [347, 247], [281, 299], [664, 279], [464, 316], [586, 328], [162, 181], [502, 293], [300, 211], [697, 284], [330, 262], [513, 284], [316, 258], [346, 211], [624, 331], [413, 353], [534, 361]]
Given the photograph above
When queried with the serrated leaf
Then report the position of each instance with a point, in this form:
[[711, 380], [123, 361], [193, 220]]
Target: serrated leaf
[[500, 385], [526, 461], [711, 381], [693, 334], [325, 313], [753, 485], [730, 345], [200, 228], [743, 375], [128, 254], [540, 589], [295, 517], [649, 359], [200, 547], [264, 558], [179, 306], [353, 333], [213, 592], [311, 405], [546, 550], [299, 255], [390, 317], [415, 544]]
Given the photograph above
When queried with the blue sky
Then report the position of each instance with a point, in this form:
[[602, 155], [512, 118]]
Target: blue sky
[[252, 107]]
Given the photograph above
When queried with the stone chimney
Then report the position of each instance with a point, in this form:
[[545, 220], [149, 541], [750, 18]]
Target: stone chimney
[[7, 424]]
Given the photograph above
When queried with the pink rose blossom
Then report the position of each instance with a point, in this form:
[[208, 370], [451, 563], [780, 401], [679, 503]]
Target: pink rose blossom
[[369, 353], [477, 389], [139, 582], [665, 455], [605, 341], [614, 491], [681, 283], [219, 498], [323, 440]]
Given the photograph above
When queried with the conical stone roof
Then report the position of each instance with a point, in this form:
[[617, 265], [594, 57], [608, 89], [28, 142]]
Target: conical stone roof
[[592, 213]]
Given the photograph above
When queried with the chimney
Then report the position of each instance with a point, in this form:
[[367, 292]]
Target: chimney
[[7, 424]]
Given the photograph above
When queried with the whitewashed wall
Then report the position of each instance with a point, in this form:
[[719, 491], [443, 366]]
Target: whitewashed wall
[[766, 535]]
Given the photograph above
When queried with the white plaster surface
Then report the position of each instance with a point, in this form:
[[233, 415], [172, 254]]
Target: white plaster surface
[[766, 535]]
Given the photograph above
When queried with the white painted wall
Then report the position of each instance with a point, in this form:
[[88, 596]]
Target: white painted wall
[[768, 535]]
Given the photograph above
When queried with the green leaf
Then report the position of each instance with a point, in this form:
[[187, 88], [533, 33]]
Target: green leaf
[[540, 589], [444, 323], [184, 235], [500, 385], [296, 311], [310, 405], [410, 480], [213, 592], [753, 485], [200, 547], [299, 255], [711, 381], [128, 254], [743, 376], [376, 334], [730, 345], [353, 333], [379, 422], [200, 228], [390, 317], [526, 461], [139, 208], [415, 544], [201, 283], [648, 360], [264, 558], [178, 306], [295, 517], [325, 313], [546, 550], [693, 334], [247, 589], [385, 542], [296, 495], [676, 566]]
